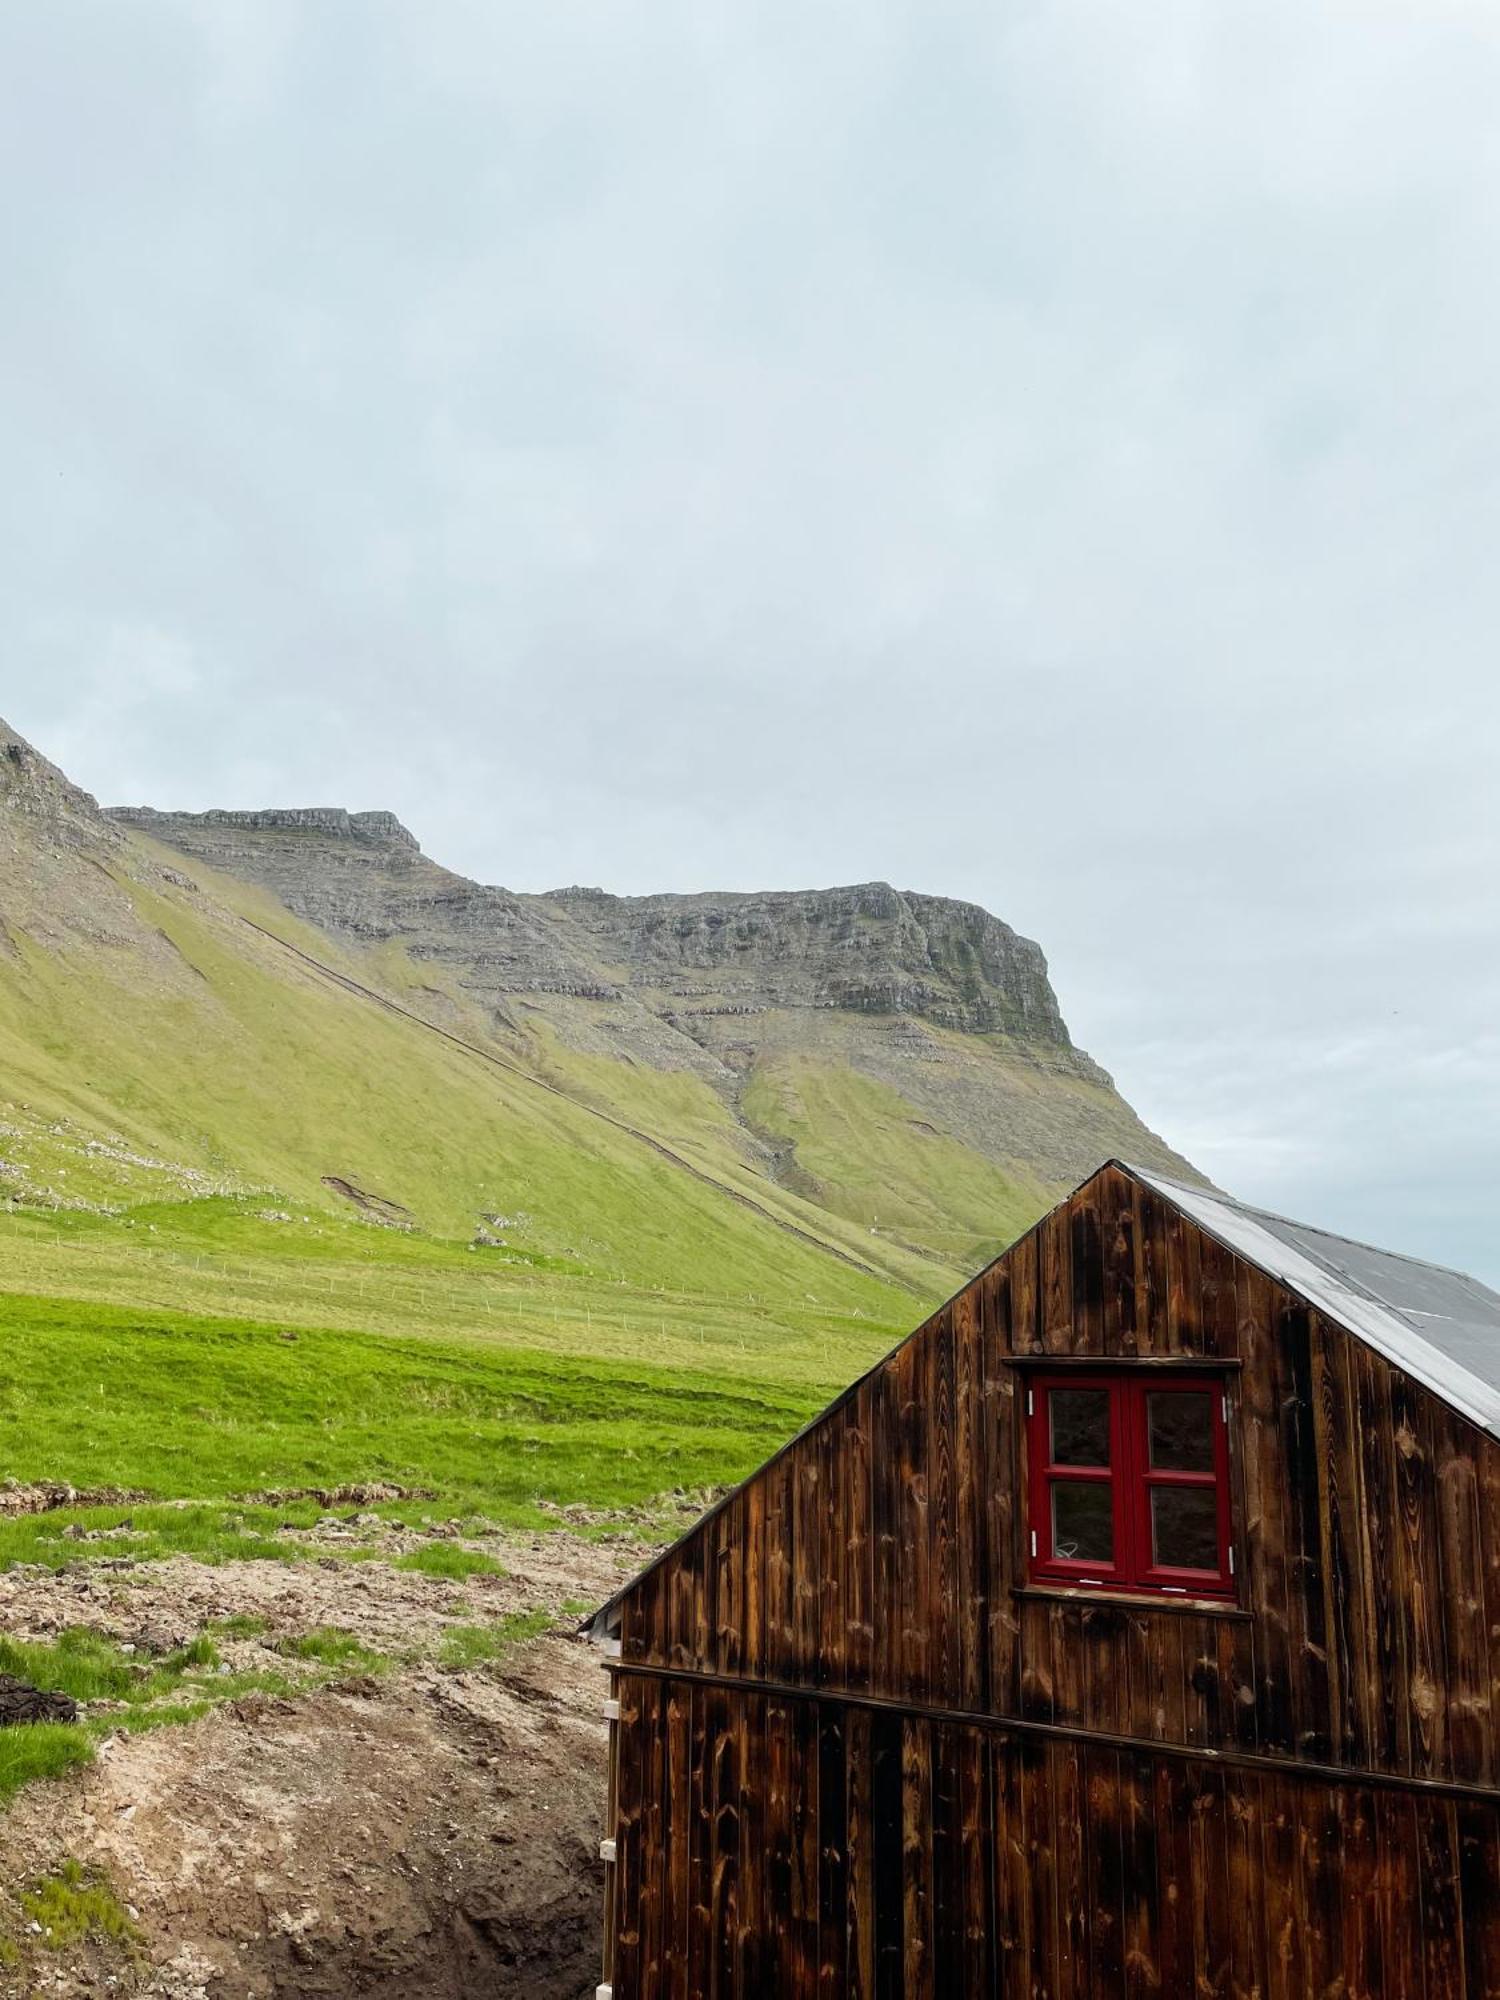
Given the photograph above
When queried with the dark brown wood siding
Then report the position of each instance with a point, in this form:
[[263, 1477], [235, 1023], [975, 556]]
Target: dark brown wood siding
[[883, 1552], [849, 1814], [836, 1850]]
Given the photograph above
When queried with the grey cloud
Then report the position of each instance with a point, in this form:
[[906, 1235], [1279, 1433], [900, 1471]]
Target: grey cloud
[[1047, 455]]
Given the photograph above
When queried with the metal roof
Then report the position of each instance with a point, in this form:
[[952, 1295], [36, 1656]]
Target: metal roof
[[1442, 1327]]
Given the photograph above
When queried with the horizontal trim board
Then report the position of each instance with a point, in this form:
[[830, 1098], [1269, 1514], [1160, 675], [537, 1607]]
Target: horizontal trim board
[[1059, 1732], [1133, 1600], [1158, 1364]]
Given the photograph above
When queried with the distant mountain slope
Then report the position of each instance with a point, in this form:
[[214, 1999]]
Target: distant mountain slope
[[897, 1061], [164, 1036]]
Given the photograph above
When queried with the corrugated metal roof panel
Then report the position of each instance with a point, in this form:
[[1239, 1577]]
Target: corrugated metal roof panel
[[1441, 1326]]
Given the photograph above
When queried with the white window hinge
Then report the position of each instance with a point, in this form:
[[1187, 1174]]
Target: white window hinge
[[606, 1850], [1031, 1402], [1033, 1542], [1224, 1405], [1231, 1559]]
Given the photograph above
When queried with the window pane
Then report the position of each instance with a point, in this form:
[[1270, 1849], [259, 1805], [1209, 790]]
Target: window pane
[[1083, 1527], [1181, 1424], [1080, 1426], [1185, 1527]]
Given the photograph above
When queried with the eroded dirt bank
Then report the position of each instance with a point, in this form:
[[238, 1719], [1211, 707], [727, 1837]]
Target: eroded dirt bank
[[426, 1830]]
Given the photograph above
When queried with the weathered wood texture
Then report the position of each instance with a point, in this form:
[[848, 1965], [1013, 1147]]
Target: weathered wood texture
[[881, 1553], [848, 1854], [798, 1843]]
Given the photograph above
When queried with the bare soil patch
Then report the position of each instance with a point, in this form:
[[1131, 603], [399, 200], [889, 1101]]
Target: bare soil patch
[[417, 1833]]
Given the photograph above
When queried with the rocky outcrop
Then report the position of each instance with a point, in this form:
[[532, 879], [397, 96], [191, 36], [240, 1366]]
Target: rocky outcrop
[[867, 949], [36, 793], [333, 821]]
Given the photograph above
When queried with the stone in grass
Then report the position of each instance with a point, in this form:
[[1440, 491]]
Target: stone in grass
[[22, 1703]]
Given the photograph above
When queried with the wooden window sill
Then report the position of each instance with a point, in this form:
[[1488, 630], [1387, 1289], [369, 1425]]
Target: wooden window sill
[[1131, 1600]]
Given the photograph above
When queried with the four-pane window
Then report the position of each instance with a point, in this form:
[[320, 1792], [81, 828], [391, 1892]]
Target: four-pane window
[[1130, 1482]]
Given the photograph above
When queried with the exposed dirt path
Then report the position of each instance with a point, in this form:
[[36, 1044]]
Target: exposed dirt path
[[418, 1833]]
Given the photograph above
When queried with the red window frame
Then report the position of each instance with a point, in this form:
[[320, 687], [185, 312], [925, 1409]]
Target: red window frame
[[1132, 1479]]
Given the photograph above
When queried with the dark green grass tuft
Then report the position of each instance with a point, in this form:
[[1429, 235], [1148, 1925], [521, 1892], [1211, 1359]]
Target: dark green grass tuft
[[443, 1559], [331, 1646], [43, 1750], [481, 1645], [74, 1904]]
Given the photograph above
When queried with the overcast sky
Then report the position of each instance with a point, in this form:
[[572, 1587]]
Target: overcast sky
[[1044, 453]]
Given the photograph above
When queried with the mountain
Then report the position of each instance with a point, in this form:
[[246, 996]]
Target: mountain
[[284, 1065], [898, 1060]]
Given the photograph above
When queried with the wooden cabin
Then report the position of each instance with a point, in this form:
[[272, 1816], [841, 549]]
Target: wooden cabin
[[1133, 1628]]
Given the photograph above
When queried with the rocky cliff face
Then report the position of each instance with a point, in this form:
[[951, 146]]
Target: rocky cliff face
[[36, 796], [869, 949]]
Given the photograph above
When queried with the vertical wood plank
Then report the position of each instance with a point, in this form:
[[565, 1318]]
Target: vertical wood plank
[[807, 1812], [1416, 1566], [916, 1859], [1151, 1274], [1070, 1833], [1106, 1874], [860, 1819], [1140, 1868], [782, 1936], [809, 1523], [1025, 1261], [832, 1633], [1478, 1828], [752, 1968], [725, 1742], [635, 1726], [1466, 1640], [1312, 1692], [1442, 1932], [888, 1786], [1338, 1500], [949, 1929], [1086, 1270], [677, 1833], [859, 1551], [1391, 1732], [756, 1558], [1054, 1238], [1117, 1230], [833, 1855], [653, 1825], [944, 1610], [912, 1666], [973, 1479]]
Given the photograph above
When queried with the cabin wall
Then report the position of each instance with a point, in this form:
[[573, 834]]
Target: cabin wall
[[805, 1846], [882, 1554]]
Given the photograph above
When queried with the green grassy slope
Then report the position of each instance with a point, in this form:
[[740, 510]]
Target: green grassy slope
[[254, 1069], [606, 1278]]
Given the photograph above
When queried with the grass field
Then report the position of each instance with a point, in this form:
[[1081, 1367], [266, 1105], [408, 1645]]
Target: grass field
[[188, 1408]]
